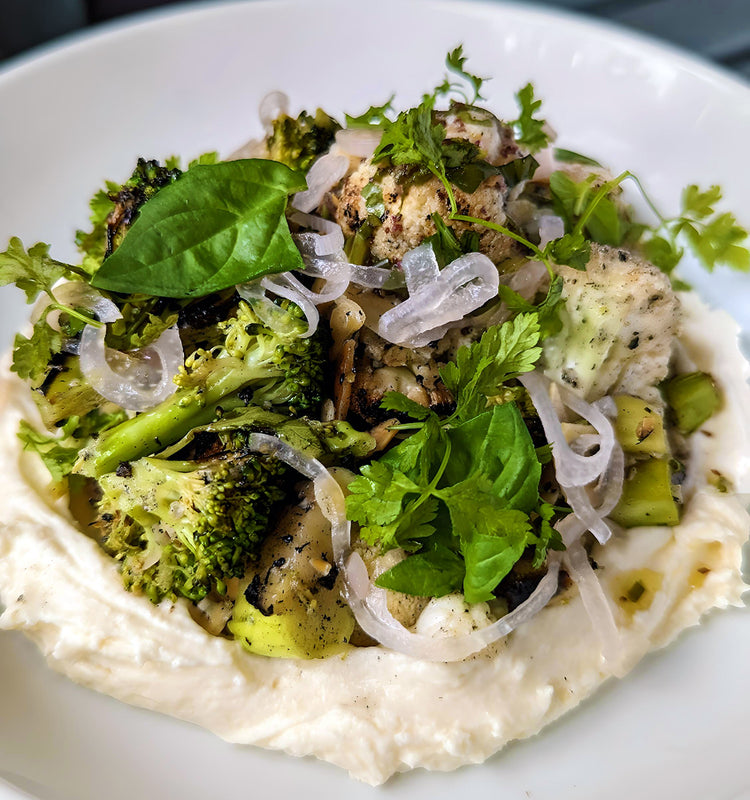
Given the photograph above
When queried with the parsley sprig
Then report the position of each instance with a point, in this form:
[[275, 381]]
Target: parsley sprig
[[461, 494], [530, 130], [35, 273], [591, 214]]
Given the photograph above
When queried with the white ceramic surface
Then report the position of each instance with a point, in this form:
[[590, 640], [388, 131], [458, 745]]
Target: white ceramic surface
[[189, 80]]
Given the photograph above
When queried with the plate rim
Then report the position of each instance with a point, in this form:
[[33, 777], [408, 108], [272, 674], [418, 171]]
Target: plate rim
[[45, 56]]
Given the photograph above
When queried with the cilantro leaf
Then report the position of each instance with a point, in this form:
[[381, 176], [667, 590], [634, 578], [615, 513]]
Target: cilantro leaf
[[446, 245], [491, 549], [547, 538], [32, 356], [391, 509], [32, 271], [58, 459], [434, 573], [504, 351], [412, 138], [529, 129], [376, 495], [662, 253], [374, 116], [395, 401], [547, 311], [571, 249], [570, 157], [716, 238], [455, 61]]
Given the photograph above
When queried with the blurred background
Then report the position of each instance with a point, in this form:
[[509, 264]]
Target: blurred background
[[716, 29]]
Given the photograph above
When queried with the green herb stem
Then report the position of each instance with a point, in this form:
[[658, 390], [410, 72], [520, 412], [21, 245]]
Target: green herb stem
[[71, 312], [601, 193]]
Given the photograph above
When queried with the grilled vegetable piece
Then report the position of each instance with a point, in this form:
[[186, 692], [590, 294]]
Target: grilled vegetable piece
[[297, 142], [618, 326], [639, 427], [647, 496], [185, 522], [692, 398], [273, 367], [293, 606]]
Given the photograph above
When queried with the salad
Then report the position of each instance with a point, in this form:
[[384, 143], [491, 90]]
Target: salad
[[389, 382]]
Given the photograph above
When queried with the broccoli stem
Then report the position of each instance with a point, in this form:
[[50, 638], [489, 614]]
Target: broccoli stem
[[167, 423]]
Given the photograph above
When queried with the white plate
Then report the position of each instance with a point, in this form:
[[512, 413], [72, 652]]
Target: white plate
[[189, 81]]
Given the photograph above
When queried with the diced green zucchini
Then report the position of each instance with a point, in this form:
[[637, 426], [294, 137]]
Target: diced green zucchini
[[692, 398], [647, 496], [639, 427]]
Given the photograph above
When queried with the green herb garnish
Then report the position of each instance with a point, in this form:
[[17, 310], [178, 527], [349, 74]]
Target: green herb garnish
[[461, 494], [217, 226]]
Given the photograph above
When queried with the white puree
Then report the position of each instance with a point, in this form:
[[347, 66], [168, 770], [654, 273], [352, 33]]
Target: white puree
[[372, 712]]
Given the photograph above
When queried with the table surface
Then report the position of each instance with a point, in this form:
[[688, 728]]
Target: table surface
[[718, 30]]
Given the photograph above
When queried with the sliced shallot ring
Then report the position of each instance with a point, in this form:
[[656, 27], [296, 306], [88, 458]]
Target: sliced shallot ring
[[334, 269], [571, 469], [132, 387], [369, 277], [463, 286], [578, 566], [360, 142], [328, 241], [322, 176], [281, 287], [551, 227], [332, 291], [372, 614], [420, 267]]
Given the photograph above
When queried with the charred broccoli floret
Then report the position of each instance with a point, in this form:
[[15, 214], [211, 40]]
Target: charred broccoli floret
[[256, 363], [202, 520], [174, 573], [115, 208], [297, 142], [146, 180], [185, 522]]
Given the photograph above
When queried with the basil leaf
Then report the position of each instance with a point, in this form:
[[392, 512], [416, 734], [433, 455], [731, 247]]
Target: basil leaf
[[217, 226], [490, 550], [498, 445], [433, 573]]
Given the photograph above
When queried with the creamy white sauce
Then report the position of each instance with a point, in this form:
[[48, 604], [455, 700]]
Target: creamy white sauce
[[62, 591]]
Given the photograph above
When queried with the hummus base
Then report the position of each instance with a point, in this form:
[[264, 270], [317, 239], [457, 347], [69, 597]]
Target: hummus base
[[371, 711]]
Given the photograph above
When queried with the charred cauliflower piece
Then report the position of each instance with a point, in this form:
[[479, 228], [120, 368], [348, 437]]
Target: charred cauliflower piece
[[408, 212], [619, 324], [410, 206], [382, 368]]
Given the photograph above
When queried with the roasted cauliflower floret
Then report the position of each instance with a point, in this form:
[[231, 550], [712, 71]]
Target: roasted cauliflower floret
[[407, 221], [382, 367], [410, 205], [619, 323]]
